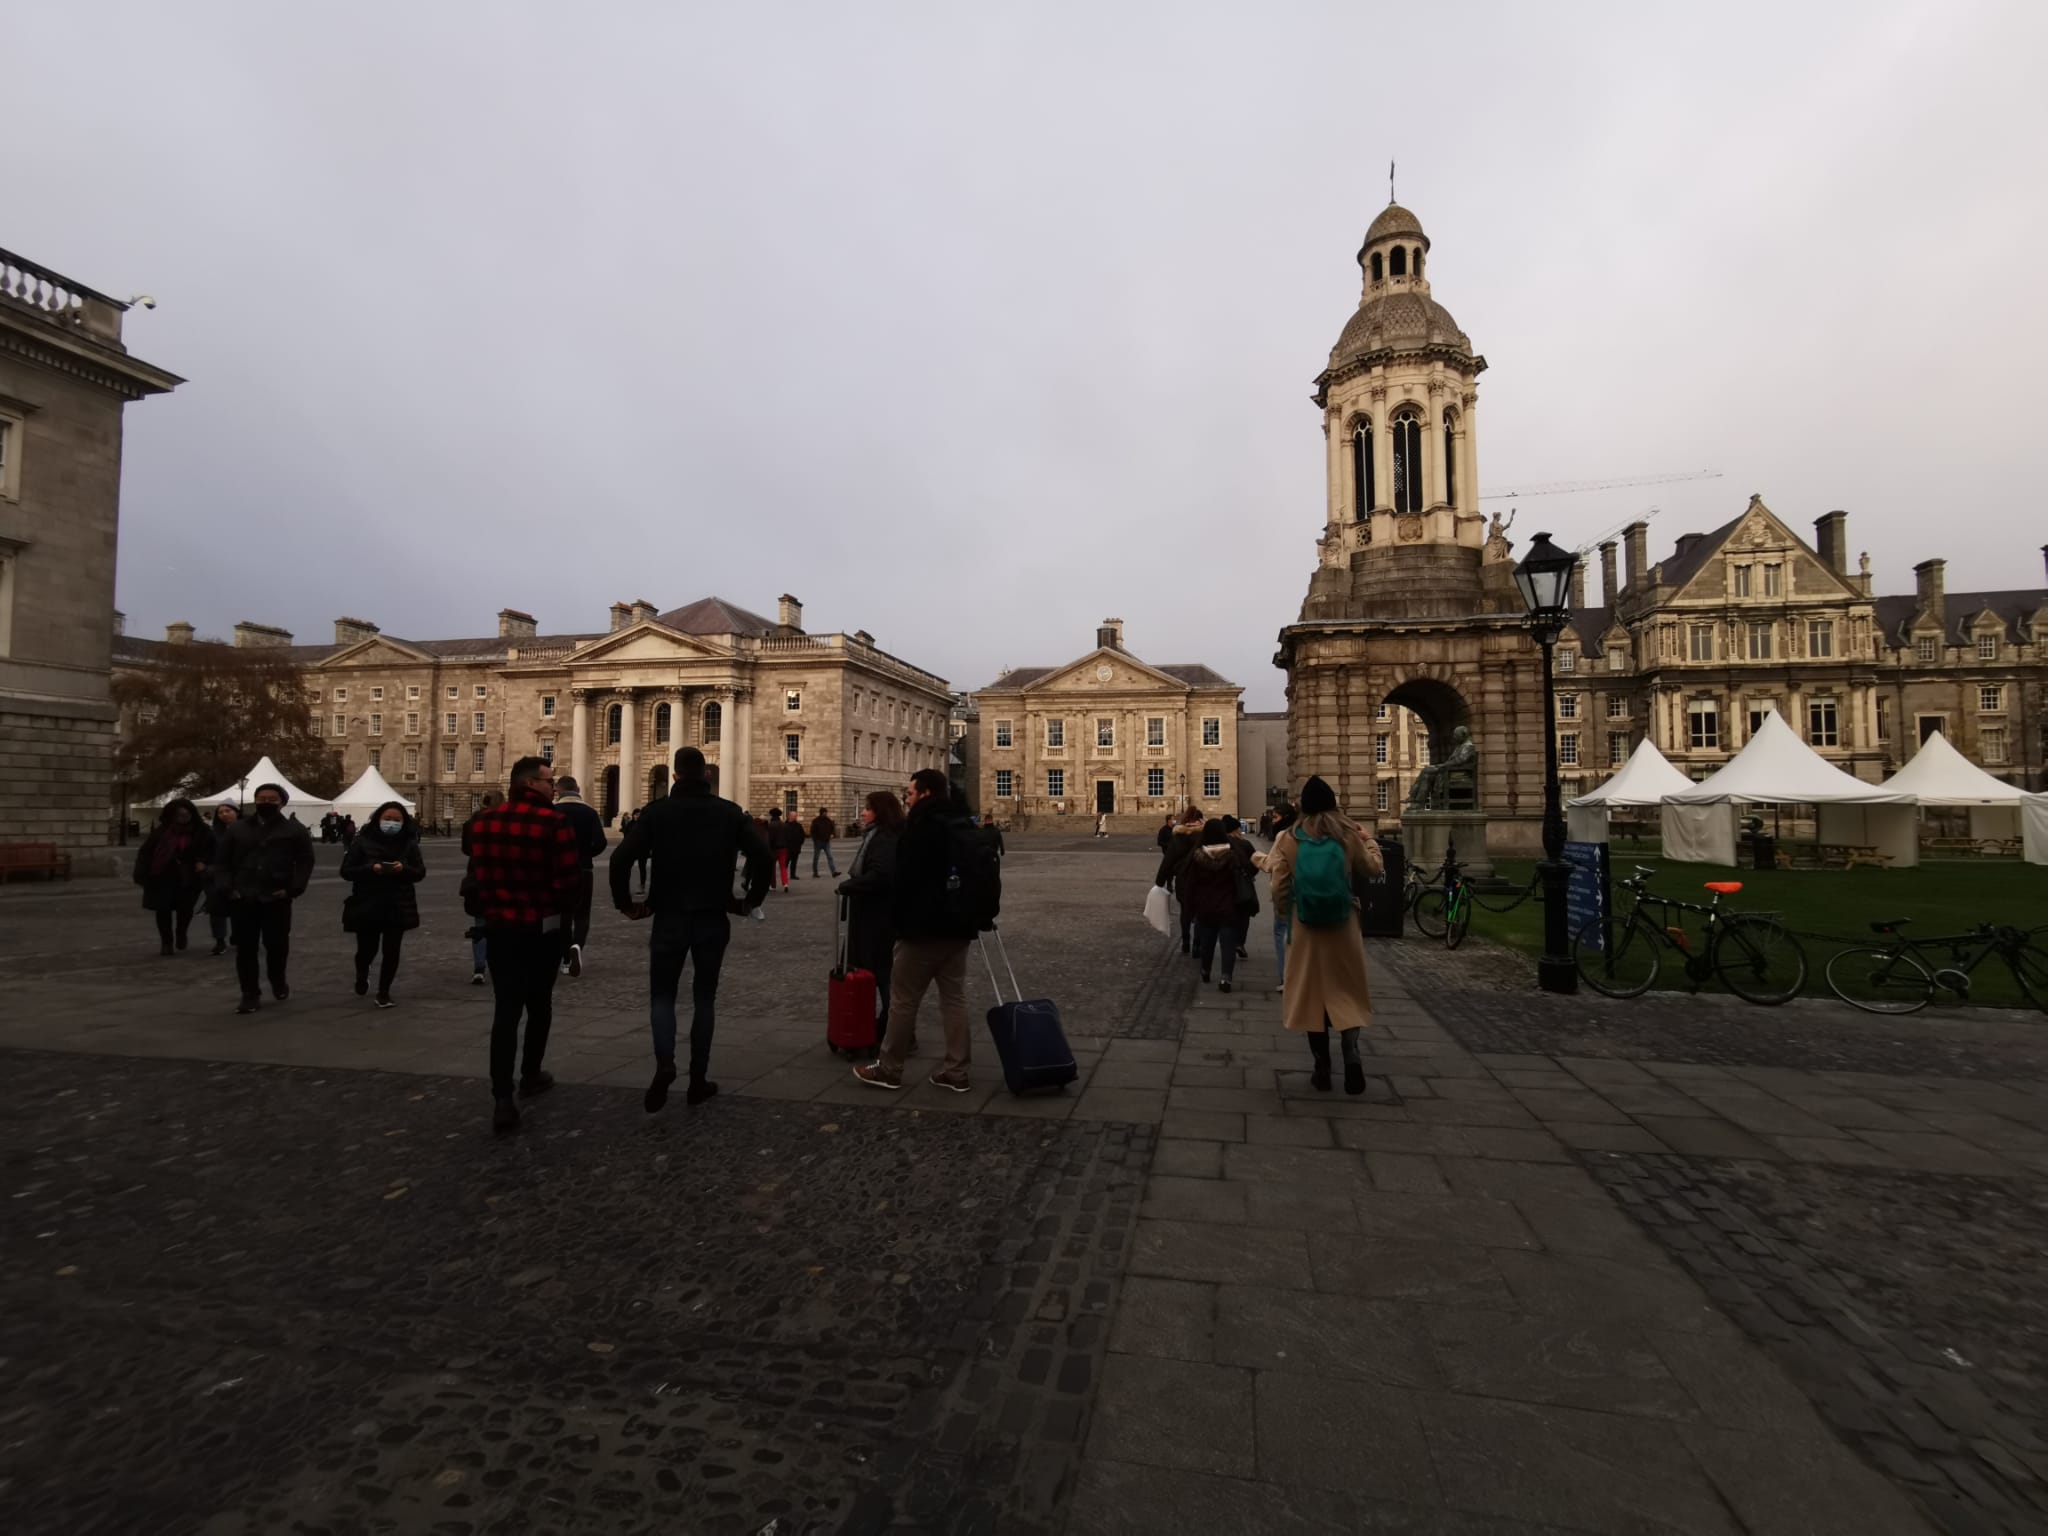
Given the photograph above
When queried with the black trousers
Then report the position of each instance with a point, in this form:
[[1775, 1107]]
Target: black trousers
[[217, 918], [699, 937], [577, 918], [523, 964], [171, 925], [268, 924], [367, 943]]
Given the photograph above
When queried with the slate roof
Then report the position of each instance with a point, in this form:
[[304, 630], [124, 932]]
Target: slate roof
[[1589, 624], [1397, 322], [1194, 675], [715, 616], [1679, 569], [2014, 607], [1394, 220]]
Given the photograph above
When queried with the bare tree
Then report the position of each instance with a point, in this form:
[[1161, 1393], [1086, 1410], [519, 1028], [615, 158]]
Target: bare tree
[[203, 713]]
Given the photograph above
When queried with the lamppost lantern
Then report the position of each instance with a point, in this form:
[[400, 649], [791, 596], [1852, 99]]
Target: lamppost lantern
[[1545, 578]]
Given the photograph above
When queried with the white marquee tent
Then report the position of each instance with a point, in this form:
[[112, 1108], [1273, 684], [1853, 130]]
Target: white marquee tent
[[2034, 828], [307, 808], [1940, 775], [362, 798], [1777, 767], [1644, 780]]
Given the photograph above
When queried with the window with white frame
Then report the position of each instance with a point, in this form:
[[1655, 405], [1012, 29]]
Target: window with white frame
[[1567, 706], [1105, 731], [412, 692], [1991, 743], [793, 747], [1823, 728], [1759, 642], [449, 723], [1699, 639], [454, 692], [1987, 647], [1617, 748], [10, 456], [1774, 580], [376, 695], [714, 722], [1212, 783], [1003, 737], [476, 724], [1703, 721], [447, 759], [412, 762], [483, 690], [1755, 711], [1743, 582], [1006, 784], [1990, 699], [547, 706], [1055, 733], [1924, 647], [1617, 706], [340, 724], [1568, 748], [1212, 731], [1155, 730], [476, 759], [412, 723], [313, 694], [341, 695], [1381, 793], [1884, 719], [1155, 782], [1379, 711], [1820, 637], [1617, 658], [377, 757], [792, 700], [376, 724], [547, 753], [1056, 783], [1379, 746], [1567, 661]]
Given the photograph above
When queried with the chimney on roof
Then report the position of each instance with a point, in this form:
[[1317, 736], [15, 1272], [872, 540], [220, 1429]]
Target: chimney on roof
[[179, 633], [622, 615], [643, 610], [1607, 584], [789, 613], [120, 622], [248, 635], [1831, 541], [1930, 579], [1109, 634], [1638, 536], [349, 631], [514, 625], [864, 637], [1579, 585]]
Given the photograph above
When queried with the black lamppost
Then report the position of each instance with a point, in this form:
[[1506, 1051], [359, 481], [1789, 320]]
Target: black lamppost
[[1545, 577]]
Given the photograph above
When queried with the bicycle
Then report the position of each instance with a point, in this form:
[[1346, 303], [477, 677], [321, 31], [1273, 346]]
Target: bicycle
[[1899, 977], [1443, 911], [1753, 953]]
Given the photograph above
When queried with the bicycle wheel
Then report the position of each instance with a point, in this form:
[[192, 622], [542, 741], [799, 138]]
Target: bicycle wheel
[[1457, 917], [1758, 959], [1880, 980], [1429, 912], [2030, 971], [1626, 968]]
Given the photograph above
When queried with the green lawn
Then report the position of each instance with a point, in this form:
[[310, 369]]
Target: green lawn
[[1942, 897]]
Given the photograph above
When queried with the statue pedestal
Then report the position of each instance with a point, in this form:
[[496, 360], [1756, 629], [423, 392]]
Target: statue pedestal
[[1425, 835]]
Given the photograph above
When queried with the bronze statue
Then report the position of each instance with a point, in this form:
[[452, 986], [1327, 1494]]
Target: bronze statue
[[1432, 785]]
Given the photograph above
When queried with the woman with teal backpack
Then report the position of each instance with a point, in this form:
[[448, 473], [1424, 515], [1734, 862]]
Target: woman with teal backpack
[[1316, 866]]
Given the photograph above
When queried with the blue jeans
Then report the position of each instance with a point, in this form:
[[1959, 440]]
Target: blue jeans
[[1283, 930], [698, 936], [478, 960], [1207, 936], [830, 862]]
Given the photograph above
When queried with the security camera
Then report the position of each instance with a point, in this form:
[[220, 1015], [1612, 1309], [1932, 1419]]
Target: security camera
[[144, 300]]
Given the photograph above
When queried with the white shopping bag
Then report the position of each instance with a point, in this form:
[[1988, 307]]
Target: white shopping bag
[[1159, 909]]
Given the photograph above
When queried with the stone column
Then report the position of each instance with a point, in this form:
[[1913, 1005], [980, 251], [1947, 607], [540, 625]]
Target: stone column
[[1337, 443], [741, 756], [1432, 450], [630, 794], [1468, 463], [579, 741]]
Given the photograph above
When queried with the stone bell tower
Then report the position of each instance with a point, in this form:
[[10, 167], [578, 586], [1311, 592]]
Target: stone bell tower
[[1412, 602]]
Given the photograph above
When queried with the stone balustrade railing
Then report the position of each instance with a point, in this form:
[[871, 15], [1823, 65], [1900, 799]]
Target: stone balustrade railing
[[57, 296]]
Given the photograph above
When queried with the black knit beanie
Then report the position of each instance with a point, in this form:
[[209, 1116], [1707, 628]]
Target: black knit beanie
[[1317, 797]]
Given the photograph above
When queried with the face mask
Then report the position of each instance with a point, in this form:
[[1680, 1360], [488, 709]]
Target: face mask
[[392, 828], [270, 812]]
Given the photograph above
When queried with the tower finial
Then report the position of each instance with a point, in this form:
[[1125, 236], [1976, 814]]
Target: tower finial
[[1390, 183]]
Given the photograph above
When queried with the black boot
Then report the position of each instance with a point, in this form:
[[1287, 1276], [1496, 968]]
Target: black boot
[[1354, 1069], [505, 1116], [657, 1091], [1319, 1048], [700, 1089]]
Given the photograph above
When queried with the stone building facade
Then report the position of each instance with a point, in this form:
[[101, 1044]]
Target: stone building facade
[[65, 379], [786, 718], [1107, 734]]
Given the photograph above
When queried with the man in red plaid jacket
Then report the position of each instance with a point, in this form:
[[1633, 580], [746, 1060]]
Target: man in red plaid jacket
[[525, 865]]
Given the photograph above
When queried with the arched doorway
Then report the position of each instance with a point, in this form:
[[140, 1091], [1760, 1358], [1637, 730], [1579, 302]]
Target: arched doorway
[[609, 808], [1414, 728]]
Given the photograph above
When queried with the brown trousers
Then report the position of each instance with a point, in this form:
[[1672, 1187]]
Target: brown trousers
[[919, 963]]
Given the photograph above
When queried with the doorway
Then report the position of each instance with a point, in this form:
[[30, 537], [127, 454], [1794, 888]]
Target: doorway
[[1105, 797], [609, 809]]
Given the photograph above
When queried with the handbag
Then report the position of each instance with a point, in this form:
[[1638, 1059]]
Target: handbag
[[1247, 888], [1158, 909]]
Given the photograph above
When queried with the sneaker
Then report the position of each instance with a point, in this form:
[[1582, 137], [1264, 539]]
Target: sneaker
[[875, 1075], [280, 992], [1242, 955], [1205, 978], [535, 1083], [657, 1091], [476, 978], [1223, 985], [362, 983], [956, 1081], [384, 1000], [505, 1116], [575, 966], [220, 949], [249, 1004], [181, 941], [699, 1090]]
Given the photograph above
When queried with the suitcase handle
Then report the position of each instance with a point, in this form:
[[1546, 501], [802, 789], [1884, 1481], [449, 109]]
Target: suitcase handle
[[994, 985], [839, 932]]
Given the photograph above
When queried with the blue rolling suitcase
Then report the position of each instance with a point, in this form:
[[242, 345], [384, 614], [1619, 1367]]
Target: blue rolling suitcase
[[1029, 1041]]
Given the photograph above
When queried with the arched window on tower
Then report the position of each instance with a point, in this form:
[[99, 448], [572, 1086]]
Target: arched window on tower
[[714, 721], [1397, 264], [1378, 267], [661, 723], [1451, 457], [1407, 430], [1363, 498]]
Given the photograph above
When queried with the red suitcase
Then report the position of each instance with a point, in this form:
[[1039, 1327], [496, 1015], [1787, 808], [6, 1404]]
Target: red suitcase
[[850, 1004]]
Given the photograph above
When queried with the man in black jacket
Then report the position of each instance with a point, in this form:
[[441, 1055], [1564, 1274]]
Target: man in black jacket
[[932, 935], [695, 840], [266, 860], [590, 841]]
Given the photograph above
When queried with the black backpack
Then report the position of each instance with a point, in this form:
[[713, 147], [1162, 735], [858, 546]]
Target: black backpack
[[974, 880]]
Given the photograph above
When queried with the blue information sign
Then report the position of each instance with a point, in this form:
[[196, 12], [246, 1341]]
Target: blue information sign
[[1586, 886]]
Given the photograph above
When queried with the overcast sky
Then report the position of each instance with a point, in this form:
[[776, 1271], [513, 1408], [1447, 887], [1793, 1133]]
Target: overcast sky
[[970, 325]]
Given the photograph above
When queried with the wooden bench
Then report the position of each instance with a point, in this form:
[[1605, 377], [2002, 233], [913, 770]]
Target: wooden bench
[[44, 859]]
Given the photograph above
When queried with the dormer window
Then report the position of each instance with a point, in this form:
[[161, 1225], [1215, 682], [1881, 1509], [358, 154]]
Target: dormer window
[[1987, 647]]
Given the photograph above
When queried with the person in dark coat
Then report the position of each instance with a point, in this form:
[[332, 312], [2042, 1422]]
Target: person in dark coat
[[869, 892], [1166, 833], [992, 834], [1247, 885], [224, 816], [1180, 843], [778, 846], [793, 843], [170, 866], [823, 830], [472, 903], [1208, 881], [383, 864], [267, 859], [590, 842]]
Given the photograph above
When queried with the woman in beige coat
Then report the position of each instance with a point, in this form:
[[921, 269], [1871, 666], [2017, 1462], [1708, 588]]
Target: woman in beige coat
[[1326, 986]]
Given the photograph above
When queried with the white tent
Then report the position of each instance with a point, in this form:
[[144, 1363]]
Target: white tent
[[2034, 828], [307, 808], [1777, 767], [362, 798], [1940, 775], [1645, 779]]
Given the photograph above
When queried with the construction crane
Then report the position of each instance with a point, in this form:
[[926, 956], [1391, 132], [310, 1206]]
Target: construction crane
[[1561, 487]]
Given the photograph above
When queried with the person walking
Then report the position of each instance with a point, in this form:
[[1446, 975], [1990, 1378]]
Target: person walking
[[823, 830], [1209, 895], [472, 904], [382, 865], [778, 848], [992, 836], [1166, 832], [170, 866], [266, 860], [1182, 842], [525, 859], [590, 842], [224, 816], [1102, 824], [1247, 883], [1284, 816], [937, 887], [869, 893], [693, 839], [1316, 866], [793, 844]]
